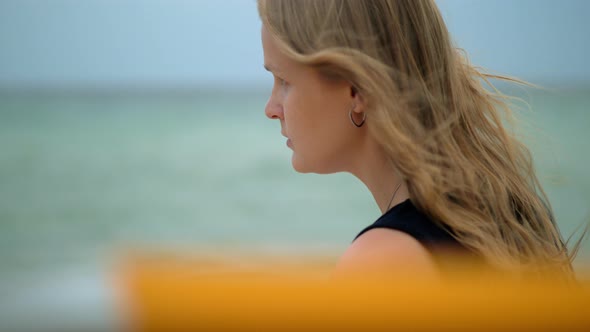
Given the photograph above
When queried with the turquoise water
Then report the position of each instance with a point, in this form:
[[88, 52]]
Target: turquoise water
[[84, 176]]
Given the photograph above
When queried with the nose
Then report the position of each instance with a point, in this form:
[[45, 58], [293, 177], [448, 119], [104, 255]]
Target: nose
[[273, 110]]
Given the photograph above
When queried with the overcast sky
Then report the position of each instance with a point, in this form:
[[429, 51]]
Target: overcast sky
[[217, 43]]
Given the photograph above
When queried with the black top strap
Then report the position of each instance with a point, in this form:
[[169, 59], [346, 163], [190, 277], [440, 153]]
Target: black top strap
[[405, 217]]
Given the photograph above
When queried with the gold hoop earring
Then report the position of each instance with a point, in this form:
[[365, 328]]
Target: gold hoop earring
[[358, 125]]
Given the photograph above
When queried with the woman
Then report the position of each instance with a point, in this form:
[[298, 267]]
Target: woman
[[376, 88]]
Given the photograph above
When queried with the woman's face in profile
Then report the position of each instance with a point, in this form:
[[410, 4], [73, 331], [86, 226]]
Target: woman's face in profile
[[313, 113]]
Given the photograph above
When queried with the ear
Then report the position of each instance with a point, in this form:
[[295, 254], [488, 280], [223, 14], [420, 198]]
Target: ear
[[357, 99]]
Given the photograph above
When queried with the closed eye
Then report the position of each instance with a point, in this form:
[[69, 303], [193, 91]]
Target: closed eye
[[281, 81]]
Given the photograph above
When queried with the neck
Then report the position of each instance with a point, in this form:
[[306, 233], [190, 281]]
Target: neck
[[377, 173]]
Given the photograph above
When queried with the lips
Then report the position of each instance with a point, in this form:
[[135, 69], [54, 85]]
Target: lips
[[289, 144]]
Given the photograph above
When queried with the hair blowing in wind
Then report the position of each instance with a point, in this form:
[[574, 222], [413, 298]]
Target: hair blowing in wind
[[431, 112]]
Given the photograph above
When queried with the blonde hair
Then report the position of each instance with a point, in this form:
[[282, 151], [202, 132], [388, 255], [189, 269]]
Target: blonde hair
[[430, 111]]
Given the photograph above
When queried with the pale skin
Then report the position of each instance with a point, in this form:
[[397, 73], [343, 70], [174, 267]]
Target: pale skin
[[314, 116]]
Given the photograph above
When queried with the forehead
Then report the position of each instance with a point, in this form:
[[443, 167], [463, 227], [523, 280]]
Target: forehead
[[274, 59]]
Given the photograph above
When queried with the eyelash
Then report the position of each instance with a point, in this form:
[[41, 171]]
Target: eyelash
[[281, 81]]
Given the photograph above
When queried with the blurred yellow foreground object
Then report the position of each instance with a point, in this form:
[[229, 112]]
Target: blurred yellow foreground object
[[170, 294]]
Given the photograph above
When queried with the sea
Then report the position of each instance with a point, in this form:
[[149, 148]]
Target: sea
[[87, 175]]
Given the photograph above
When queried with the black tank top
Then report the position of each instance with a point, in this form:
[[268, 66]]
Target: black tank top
[[405, 217]]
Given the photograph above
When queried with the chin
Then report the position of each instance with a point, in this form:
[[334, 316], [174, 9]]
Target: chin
[[301, 166]]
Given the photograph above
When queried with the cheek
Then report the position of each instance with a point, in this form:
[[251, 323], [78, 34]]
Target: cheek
[[302, 120], [311, 114], [294, 109]]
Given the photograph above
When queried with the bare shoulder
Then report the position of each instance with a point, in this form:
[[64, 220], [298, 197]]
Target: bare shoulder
[[386, 252]]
